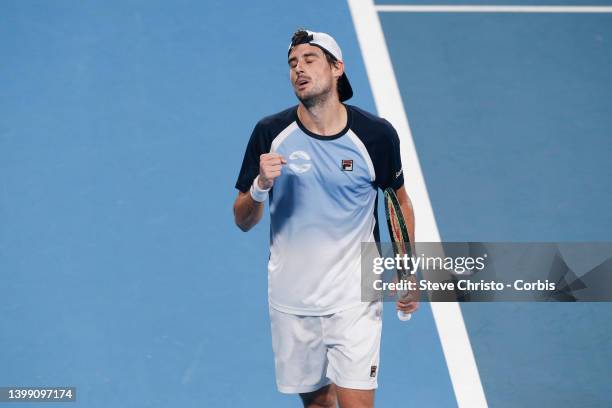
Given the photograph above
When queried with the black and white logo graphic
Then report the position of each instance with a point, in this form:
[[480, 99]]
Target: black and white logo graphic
[[299, 161]]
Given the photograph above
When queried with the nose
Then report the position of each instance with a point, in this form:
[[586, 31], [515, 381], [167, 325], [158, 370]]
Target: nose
[[298, 68]]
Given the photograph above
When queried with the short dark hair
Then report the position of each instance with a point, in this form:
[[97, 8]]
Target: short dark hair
[[301, 36]]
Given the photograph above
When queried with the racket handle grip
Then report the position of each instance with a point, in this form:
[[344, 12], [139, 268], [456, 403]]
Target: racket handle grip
[[404, 317]]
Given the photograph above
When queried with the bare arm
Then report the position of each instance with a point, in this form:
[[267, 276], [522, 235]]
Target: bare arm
[[248, 212], [408, 305], [407, 212]]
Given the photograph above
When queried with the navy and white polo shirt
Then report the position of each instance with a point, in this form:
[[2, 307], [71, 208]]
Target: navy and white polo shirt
[[322, 206]]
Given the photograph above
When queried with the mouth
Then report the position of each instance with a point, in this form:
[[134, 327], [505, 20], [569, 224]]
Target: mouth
[[301, 82]]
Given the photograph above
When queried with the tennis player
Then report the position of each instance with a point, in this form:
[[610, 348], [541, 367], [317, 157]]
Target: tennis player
[[321, 164]]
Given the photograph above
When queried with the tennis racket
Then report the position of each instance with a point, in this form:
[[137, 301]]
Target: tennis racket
[[399, 238]]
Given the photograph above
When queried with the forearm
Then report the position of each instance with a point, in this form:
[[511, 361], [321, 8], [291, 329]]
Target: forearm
[[409, 217], [247, 212], [407, 212], [410, 303]]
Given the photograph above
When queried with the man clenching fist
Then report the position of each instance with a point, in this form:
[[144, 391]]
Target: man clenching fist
[[270, 166], [248, 208]]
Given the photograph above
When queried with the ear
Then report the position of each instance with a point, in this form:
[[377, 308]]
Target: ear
[[337, 69]]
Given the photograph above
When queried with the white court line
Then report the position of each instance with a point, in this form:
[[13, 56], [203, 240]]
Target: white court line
[[399, 8], [447, 316]]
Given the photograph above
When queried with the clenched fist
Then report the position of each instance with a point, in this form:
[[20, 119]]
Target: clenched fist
[[270, 166]]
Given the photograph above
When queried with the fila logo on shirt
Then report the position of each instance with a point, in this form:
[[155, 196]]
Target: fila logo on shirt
[[347, 165]]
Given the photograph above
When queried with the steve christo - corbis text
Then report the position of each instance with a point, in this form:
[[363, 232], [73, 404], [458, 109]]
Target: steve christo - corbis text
[[463, 285]]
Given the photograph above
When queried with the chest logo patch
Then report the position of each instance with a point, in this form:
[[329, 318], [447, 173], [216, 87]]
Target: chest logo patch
[[299, 161], [347, 165]]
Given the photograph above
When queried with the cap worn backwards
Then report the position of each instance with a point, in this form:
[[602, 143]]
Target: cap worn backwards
[[327, 43]]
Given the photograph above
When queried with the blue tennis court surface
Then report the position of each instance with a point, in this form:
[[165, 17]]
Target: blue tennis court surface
[[122, 129], [511, 116]]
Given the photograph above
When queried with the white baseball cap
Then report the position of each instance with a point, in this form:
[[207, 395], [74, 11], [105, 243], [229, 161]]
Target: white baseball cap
[[327, 43]]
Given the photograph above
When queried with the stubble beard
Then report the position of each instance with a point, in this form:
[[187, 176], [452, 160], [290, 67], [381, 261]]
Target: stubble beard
[[310, 101]]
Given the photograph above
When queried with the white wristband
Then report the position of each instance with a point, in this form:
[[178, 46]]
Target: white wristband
[[258, 194]]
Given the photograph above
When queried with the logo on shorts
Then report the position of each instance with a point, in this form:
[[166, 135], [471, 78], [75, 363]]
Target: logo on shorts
[[373, 371], [347, 165]]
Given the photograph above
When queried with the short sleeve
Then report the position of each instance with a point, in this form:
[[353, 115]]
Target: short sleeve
[[388, 167], [250, 163]]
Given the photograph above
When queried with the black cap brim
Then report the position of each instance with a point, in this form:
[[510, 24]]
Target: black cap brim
[[346, 90]]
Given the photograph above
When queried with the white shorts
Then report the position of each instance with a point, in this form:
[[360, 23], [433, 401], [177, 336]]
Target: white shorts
[[313, 351]]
